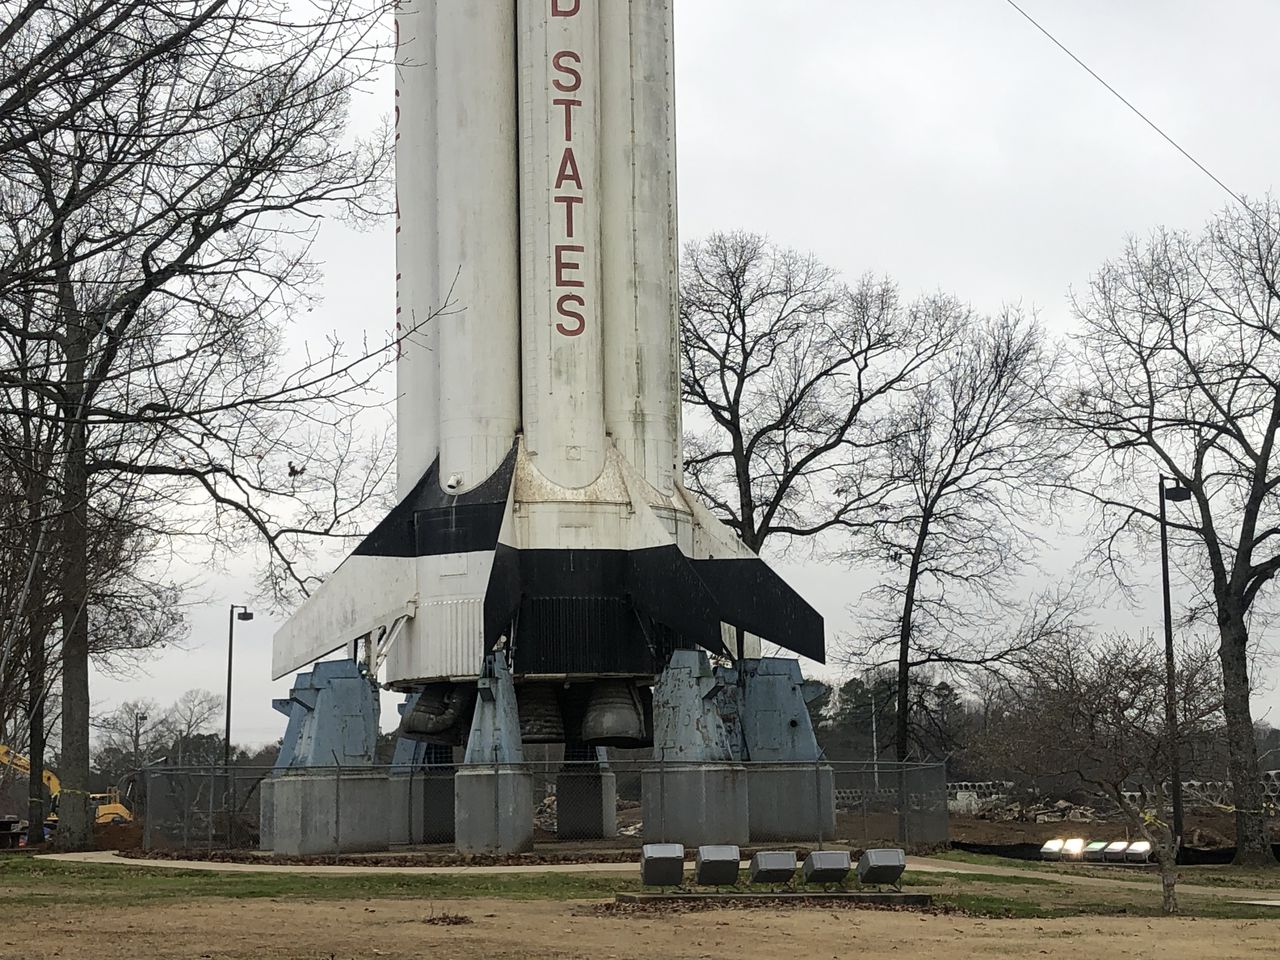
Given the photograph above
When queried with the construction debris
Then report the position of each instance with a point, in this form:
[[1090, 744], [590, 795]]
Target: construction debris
[[1040, 811]]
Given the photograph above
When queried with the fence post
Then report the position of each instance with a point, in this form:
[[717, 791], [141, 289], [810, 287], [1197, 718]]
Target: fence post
[[408, 804], [147, 775], [232, 812], [819, 814], [213, 772]]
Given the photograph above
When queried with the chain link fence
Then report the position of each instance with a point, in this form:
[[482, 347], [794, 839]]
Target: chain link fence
[[578, 805]]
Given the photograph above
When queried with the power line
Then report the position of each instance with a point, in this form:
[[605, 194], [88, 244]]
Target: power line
[[1145, 119]]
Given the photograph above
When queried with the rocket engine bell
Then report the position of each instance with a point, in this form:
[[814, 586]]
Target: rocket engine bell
[[538, 409]]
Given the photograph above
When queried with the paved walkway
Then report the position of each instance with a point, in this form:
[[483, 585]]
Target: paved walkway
[[920, 864]]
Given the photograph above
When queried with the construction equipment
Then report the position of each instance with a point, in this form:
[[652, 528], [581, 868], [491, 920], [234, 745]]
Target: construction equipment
[[108, 807], [23, 765]]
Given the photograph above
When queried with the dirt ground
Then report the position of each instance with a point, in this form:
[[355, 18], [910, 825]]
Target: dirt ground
[[396, 930]]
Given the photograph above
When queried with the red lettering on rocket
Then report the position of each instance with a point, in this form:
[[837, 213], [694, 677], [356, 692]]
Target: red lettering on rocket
[[568, 189]]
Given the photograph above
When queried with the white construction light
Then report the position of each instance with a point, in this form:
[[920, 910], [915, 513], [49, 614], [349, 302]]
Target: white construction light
[[716, 865], [1139, 852], [1052, 849], [1095, 851], [773, 866], [882, 867], [1115, 851], [826, 866], [1073, 848], [662, 864]]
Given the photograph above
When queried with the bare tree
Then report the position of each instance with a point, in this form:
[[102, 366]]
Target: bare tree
[[1096, 712], [158, 245], [960, 478], [786, 377], [194, 712], [129, 610], [136, 730], [50, 46], [1179, 376]]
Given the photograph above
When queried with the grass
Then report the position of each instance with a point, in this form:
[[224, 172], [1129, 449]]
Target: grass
[[27, 881], [1245, 878], [1064, 904]]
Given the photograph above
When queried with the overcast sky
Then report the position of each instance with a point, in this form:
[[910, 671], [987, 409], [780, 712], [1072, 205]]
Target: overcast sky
[[947, 144]]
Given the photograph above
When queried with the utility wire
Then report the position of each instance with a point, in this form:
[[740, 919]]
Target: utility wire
[[1145, 119]]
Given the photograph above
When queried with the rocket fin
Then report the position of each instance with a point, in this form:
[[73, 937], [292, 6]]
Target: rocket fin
[[340, 610], [750, 594]]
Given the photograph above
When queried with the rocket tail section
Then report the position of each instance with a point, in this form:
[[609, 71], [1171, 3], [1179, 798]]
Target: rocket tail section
[[603, 582]]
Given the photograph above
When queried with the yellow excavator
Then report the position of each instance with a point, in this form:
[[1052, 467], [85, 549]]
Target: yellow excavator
[[107, 807]]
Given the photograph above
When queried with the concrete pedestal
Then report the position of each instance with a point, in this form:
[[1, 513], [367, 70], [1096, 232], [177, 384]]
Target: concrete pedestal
[[493, 809], [695, 804], [791, 802], [420, 807], [323, 813], [586, 804]]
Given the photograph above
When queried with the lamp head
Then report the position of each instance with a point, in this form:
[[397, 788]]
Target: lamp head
[[1177, 494], [244, 615]]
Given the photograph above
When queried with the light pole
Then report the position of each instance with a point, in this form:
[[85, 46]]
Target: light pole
[[1176, 494], [232, 616], [138, 720]]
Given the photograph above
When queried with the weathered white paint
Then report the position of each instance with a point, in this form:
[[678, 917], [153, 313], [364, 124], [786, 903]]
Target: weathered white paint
[[364, 595], [477, 238], [446, 637], [559, 68], [639, 236], [417, 299]]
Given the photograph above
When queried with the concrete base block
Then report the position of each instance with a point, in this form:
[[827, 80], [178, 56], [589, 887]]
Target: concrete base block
[[586, 805], [266, 812], [420, 807], [493, 809], [323, 813], [696, 804], [791, 802]]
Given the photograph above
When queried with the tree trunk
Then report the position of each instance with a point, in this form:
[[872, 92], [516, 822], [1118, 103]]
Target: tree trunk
[[35, 721], [1164, 845], [902, 725], [75, 830], [1168, 881], [902, 722], [1253, 846]]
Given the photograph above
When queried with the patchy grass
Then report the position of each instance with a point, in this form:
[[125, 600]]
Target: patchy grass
[[31, 881], [1091, 904], [1244, 878], [26, 881]]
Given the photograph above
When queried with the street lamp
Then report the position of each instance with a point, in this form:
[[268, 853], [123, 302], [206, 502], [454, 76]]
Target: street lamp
[[1176, 494], [138, 720], [243, 614]]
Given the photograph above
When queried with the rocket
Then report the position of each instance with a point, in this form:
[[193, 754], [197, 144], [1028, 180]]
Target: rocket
[[538, 398]]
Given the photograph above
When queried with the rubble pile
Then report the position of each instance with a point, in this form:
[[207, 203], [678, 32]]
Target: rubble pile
[[544, 815], [1040, 811]]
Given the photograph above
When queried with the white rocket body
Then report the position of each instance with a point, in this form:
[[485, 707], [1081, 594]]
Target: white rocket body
[[538, 381]]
